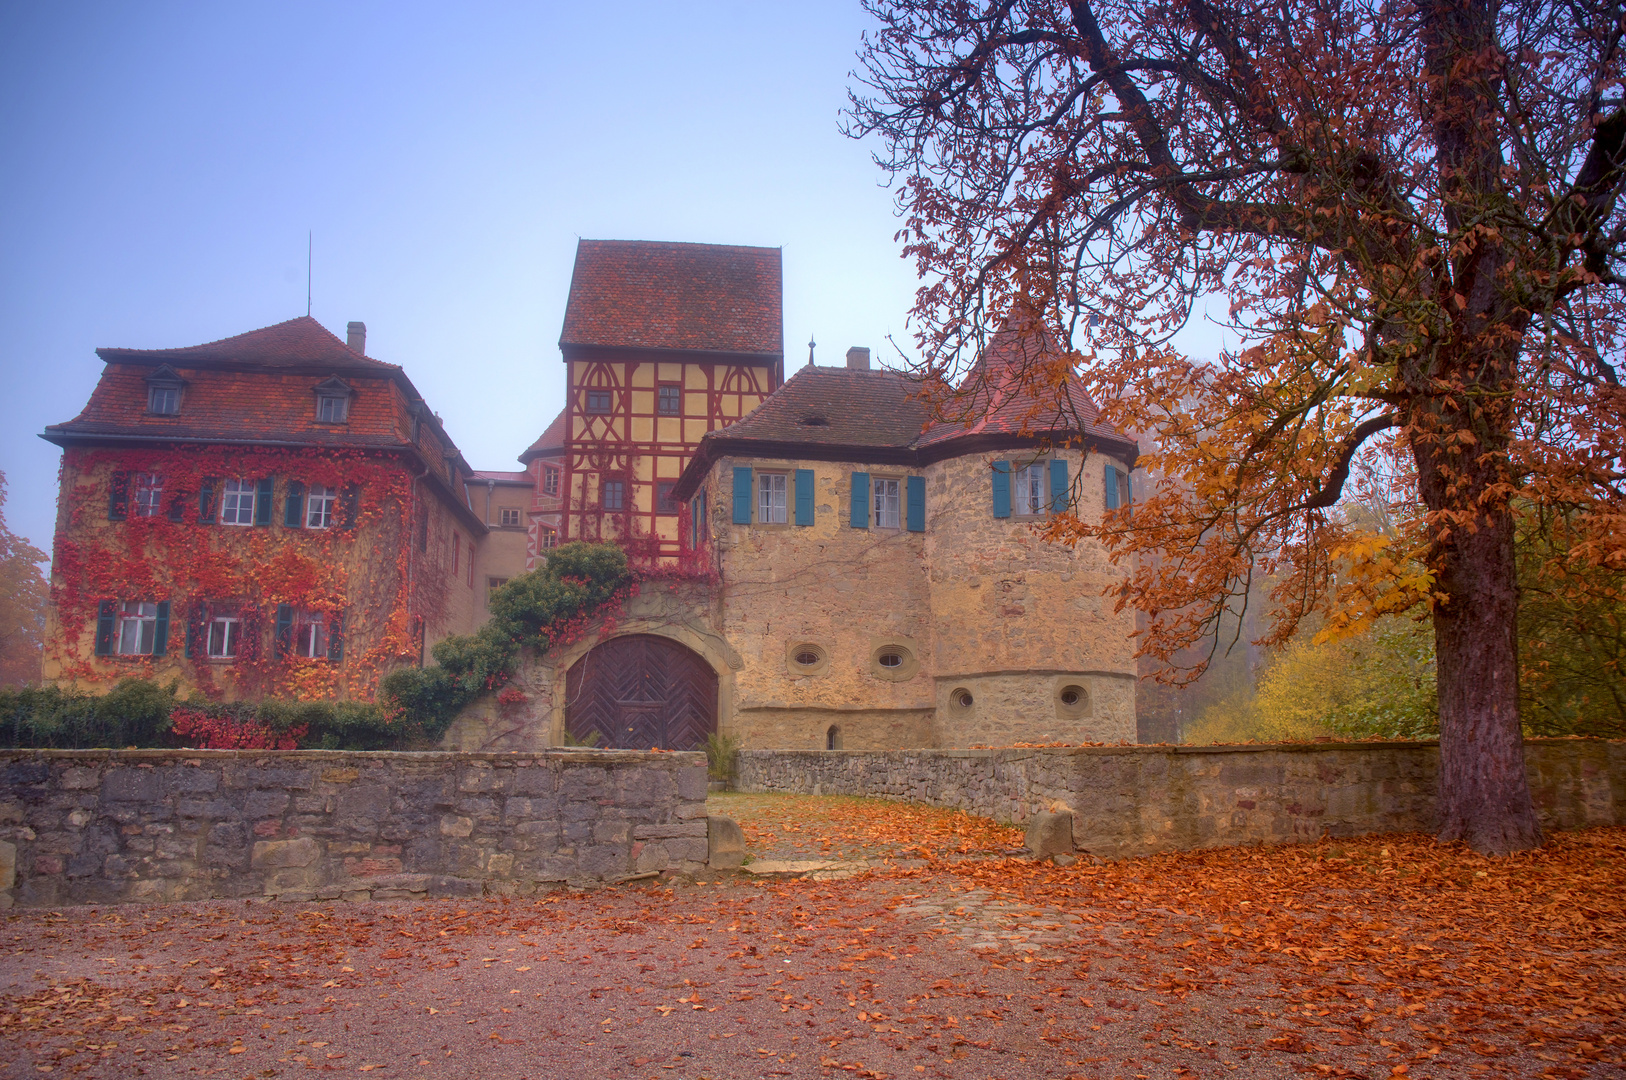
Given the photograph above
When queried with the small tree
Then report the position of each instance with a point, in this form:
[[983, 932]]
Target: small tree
[[23, 593], [1411, 212]]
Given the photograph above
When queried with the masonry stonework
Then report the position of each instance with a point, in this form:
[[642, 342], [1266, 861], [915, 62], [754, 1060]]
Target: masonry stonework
[[96, 826]]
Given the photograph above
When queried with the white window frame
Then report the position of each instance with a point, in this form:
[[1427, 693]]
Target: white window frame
[[310, 634], [319, 503], [169, 396], [233, 509], [1033, 490], [146, 494], [336, 404], [224, 636], [773, 498], [549, 538], [550, 480], [886, 501], [137, 628]]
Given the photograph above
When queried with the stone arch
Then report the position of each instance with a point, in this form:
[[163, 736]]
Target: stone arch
[[641, 691]]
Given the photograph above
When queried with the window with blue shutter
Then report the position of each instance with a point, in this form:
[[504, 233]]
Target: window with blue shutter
[[283, 640], [335, 637], [1112, 488], [860, 511], [118, 496], [804, 496], [1058, 485], [1002, 489], [105, 613], [742, 495], [206, 503], [160, 631], [293, 514], [262, 501], [915, 499]]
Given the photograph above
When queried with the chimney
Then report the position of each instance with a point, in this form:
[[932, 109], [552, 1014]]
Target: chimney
[[858, 358], [355, 336]]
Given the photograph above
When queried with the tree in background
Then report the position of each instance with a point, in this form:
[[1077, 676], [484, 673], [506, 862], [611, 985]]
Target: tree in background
[[1412, 213], [23, 593]]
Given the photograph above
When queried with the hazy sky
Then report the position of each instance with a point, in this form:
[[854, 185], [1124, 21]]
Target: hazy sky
[[163, 163]]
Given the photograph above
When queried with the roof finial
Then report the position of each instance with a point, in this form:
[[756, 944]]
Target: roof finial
[[810, 344]]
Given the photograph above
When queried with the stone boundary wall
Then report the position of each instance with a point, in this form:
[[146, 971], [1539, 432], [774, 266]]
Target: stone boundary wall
[[107, 826], [1136, 800]]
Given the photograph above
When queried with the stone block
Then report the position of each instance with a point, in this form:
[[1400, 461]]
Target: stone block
[[1050, 834], [77, 779], [612, 832], [454, 825], [663, 832], [651, 857], [693, 849], [362, 806], [192, 781], [131, 785], [8, 865], [262, 804], [725, 843], [274, 854], [691, 781]]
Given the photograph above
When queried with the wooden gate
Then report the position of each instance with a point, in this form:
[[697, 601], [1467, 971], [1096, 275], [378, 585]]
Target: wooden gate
[[641, 692]]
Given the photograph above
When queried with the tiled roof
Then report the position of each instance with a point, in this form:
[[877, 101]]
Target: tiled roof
[[500, 476], [836, 407], [651, 295], [298, 343], [551, 442]]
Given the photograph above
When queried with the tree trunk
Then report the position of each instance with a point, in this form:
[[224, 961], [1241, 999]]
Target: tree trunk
[[1484, 795]]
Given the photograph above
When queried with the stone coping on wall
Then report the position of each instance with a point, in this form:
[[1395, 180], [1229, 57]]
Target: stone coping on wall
[[107, 826]]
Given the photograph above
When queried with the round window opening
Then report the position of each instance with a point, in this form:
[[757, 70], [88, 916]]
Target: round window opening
[[890, 660], [964, 699], [1070, 696], [807, 658]]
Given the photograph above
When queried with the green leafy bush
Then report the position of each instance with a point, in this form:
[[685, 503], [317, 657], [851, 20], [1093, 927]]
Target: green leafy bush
[[134, 713]]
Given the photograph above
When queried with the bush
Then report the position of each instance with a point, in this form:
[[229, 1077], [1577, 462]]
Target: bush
[[134, 713]]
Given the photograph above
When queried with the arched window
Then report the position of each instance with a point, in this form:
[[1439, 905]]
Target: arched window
[[832, 738]]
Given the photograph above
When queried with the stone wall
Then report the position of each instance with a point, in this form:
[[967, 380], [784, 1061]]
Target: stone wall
[[1137, 800], [99, 826]]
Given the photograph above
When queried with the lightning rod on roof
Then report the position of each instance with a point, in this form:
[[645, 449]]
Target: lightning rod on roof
[[810, 344], [309, 247]]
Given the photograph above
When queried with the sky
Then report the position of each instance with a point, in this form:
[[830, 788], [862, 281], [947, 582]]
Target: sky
[[163, 165]]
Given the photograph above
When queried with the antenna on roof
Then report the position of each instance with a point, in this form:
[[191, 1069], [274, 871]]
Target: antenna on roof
[[310, 244], [810, 344]]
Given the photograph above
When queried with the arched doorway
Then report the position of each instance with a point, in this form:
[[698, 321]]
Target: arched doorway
[[641, 691]]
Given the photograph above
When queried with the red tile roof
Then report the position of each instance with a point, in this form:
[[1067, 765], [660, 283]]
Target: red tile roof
[[552, 441], [301, 343], [649, 295], [479, 475]]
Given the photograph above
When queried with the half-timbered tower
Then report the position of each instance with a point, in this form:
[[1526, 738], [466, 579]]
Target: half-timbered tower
[[662, 343]]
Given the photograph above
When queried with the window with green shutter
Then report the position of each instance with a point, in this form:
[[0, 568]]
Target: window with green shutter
[[742, 495], [804, 496], [860, 500], [293, 514], [915, 498], [1059, 485], [1002, 489]]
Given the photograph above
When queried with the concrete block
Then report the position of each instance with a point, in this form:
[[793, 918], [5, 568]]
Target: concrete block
[[725, 843], [1050, 834], [274, 854]]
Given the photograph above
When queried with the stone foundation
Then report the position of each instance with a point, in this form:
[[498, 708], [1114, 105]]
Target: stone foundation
[[1137, 800], [98, 826]]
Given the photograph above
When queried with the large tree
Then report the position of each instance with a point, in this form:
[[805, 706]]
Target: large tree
[[1408, 213]]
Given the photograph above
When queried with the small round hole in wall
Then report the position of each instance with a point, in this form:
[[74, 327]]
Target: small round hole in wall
[[1072, 701], [961, 702], [963, 699], [806, 658]]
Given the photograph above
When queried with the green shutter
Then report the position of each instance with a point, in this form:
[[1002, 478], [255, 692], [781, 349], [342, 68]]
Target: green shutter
[[350, 499], [104, 627], [860, 515], [804, 496], [1129, 487], [1112, 488], [1002, 489], [118, 496], [262, 501], [335, 637], [742, 495], [1058, 485], [283, 641], [177, 509], [206, 503], [293, 514], [916, 491], [160, 630]]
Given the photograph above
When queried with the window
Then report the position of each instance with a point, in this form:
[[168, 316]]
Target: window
[[550, 480], [332, 408], [163, 400], [670, 402], [598, 401], [137, 628], [225, 632], [149, 494], [697, 520], [549, 538], [771, 499], [471, 562], [612, 494], [1031, 484], [319, 507], [457, 552], [886, 503], [664, 503], [310, 634], [237, 503], [494, 583], [509, 517]]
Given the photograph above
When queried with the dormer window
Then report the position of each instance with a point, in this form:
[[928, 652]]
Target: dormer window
[[333, 401], [164, 391]]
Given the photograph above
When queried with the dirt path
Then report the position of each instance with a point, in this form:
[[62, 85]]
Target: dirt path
[[1376, 959]]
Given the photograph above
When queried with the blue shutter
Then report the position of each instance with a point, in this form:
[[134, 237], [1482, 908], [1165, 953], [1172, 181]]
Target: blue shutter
[[916, 492], [118, 496], [160, 630], [335, 637], [742, 495], [104, 627], [1002, 489], [282, 642], [1129, 487], [1058, 485], [262, 501], [293, 516], [860, 515], [206, 503], [1112, 488], [804, 496]]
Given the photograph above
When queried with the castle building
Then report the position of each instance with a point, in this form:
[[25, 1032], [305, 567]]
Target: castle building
[[280, 514]]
